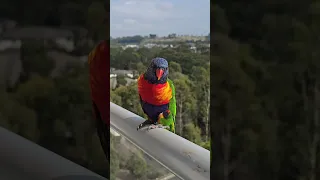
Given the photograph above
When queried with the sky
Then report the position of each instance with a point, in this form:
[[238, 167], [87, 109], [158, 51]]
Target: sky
[[160, 17]]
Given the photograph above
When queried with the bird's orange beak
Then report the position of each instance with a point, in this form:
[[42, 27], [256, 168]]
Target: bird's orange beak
[[159, 73]]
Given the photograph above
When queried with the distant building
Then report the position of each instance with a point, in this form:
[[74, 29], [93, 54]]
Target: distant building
[[152, 36], [61, 37], [173, 35], [127, 73], [130, 46], [11, 41], [129, 76]]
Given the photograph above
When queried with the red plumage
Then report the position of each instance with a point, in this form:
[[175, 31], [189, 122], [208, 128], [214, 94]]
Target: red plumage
[[155, 94], [99, 59]]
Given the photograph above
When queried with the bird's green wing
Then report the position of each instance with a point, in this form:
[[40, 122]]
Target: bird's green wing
[[171, 119], [173, 106], [173, 102]]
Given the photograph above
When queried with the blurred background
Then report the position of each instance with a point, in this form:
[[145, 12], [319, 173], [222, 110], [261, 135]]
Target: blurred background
[[44, 91], [265, 90], [141, 31]]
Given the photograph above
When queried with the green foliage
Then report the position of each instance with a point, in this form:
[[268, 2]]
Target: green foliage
[[35, 59], [18, 118], [140, 67], [265, 90], [58, 110], [137, 166], [192, 133], [115, 159], [115, 98], [207, 145], [97, 20], [121, 80]]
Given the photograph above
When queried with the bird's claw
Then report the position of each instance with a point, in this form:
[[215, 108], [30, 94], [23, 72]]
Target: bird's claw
[[154, 126]]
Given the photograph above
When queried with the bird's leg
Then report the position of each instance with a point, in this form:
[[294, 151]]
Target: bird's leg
[[145, 123], [153, 124]]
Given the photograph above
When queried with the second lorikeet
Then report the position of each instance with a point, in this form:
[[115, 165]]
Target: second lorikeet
[[157, 95]]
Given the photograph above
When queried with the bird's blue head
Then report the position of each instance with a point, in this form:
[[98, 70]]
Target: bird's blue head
[[158, 71]]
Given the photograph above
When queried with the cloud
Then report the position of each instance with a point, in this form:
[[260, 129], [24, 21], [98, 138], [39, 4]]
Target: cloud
[[130, 21], [131, 17], [143, 10], [165, 6]]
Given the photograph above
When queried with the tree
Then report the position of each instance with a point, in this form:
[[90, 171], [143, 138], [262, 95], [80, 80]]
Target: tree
[[192, 133], [18, 118], [137, 166], [185, 101], [115, 98], [97, 20], [270, 69], [121, 80], [130, 98], [114, 159], [140, 67], [202, 90], [39, 94], [35, 59]]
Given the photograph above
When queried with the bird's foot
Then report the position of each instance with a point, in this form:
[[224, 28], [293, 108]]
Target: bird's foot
[[145, 123], [154, 126]]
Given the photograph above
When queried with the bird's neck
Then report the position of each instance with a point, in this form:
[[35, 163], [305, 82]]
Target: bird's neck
[[154, 80]]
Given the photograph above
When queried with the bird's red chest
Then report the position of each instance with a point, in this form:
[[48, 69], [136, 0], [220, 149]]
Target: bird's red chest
[[156, 94]]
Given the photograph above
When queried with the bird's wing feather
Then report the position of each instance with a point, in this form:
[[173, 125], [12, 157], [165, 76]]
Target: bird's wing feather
[[141, 101], [172, 104], [141, 104]]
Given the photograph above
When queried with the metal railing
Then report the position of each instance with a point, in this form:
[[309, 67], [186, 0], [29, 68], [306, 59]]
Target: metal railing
[[23, 159], [151, 170], [183, 158]]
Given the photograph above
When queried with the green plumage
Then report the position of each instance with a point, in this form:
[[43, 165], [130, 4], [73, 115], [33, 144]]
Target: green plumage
[[171, 119]]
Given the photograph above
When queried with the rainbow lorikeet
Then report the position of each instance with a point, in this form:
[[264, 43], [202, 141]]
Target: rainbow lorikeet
[[157, 95]]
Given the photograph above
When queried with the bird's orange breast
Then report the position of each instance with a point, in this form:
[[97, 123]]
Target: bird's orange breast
[[156, 94]]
